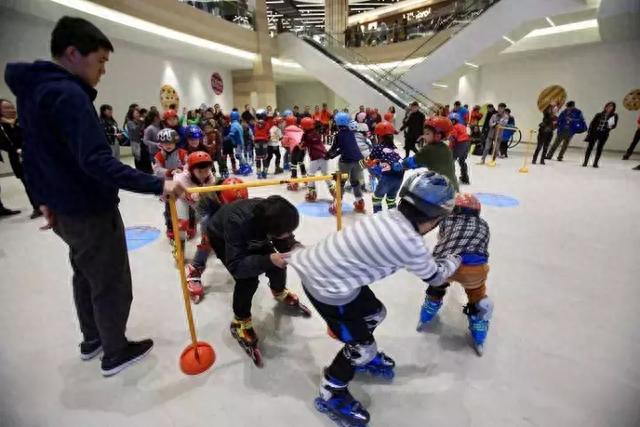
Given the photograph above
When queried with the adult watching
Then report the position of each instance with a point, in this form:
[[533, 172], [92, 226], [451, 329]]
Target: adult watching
[[75, 180]]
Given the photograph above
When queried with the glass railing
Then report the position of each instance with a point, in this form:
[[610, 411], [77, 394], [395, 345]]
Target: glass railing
[[236, 11], [387, 77]]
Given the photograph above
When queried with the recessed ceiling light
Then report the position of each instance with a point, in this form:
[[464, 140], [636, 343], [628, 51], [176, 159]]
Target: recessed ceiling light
[[550, 21], [472, 65], [508, 39], [575, 26], [439, 85]]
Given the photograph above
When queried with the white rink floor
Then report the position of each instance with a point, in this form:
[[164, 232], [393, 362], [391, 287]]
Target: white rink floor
[[563, 348]]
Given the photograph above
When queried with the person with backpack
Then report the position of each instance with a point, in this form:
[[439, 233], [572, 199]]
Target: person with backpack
[[570, 122]]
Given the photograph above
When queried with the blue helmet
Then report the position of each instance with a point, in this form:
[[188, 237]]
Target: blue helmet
[[456, 117], [287, 113], [342, 119], [430, 193], [194, 132], [234, 116], [353, 125]]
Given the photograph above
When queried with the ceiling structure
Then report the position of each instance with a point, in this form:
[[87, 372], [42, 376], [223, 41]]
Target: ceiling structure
[[311, 12]]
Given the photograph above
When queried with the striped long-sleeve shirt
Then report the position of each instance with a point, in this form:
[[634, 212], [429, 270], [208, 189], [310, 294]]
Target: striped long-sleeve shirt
[[334, 270]]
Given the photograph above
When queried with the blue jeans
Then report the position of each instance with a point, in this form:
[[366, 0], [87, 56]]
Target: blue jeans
[[388, 185]]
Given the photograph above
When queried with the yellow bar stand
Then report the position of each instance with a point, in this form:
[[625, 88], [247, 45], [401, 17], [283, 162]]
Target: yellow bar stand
[[338, 201], [198, 356], [525, 168]]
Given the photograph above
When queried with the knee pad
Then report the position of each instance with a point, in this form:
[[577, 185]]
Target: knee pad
[[373, 320], [359, 354], [438, 292], [483, 309]]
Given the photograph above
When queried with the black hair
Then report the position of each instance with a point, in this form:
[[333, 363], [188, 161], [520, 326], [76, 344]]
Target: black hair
[[414, 104], [392, 109], [79, 33], [413, 214], [276, 215], [571, 104], [151, 116], [457, 104], [502, 104], [387, 139], [129, 115], [104, 108], [507, 110], [613, 104], [490, 106], [143, 111]]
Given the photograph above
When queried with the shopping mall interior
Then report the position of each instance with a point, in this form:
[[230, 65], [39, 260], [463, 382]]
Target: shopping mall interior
[[500, 135]]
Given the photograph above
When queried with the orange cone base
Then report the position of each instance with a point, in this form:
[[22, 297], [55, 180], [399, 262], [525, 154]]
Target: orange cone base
[[192, 363]]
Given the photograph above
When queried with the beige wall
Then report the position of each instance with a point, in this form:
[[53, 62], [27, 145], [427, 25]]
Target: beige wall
[[307, 93]]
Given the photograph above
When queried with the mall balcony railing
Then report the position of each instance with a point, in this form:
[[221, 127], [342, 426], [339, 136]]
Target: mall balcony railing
[[236, 11]]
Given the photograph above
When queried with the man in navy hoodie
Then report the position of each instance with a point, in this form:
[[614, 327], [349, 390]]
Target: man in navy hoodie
[[75, 181]]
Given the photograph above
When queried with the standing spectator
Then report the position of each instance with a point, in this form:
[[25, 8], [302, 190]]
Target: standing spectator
[[602, 123], [306, 112], [634, 142], [569, 123], [474, 117], [111, 130], [415, 127], [247, 115], [75, 179], [491, 110], [507, 133], [152, 125], [499, 118], [296, 113], [396, 32], [218, 115], [133, 125], [545, 133], [11, 142]]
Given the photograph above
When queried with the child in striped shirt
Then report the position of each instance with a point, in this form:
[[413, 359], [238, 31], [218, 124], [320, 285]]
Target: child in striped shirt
[[336, 272]]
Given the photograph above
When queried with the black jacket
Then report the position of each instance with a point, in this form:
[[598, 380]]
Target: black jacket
[[593, 126], [247, 247], [11, 142], [67, 159], [414, 125]]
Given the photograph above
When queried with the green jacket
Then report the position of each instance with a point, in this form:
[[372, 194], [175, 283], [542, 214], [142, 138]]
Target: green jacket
[[438, 158]]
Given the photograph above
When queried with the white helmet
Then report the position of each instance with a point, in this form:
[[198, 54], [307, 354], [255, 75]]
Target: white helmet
[[167, 135]]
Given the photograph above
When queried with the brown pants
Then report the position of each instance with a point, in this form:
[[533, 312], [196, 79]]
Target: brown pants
[[473, 279]]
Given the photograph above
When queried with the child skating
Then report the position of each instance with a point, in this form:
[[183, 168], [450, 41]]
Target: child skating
[[235, 136], [261, 141], [388, 165], [459, 141], [291, 141], [464, 234], [312, 142], [336, 274]]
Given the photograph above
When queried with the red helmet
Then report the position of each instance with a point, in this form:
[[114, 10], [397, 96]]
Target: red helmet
[[198, 158], [385, 128], [468, 201], [169, 114], [440, 124], [227, 118], [388, 117], [228, 196], [307, 123], [291, 120]]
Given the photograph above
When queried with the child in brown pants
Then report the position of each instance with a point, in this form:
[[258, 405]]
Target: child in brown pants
[[465, 234]]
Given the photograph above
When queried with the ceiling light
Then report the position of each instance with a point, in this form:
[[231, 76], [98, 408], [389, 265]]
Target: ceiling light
[[550, 21], [274, 2], [282, 63], [149, 27], [472, 65], [439, 85], [575, 26], [508, 39]]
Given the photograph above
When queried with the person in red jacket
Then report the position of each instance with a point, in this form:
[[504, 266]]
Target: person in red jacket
[[459, 144], [261, 142], [312, 142]]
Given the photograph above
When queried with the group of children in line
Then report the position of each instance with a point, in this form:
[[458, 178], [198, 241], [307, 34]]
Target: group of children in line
[[254, 236]]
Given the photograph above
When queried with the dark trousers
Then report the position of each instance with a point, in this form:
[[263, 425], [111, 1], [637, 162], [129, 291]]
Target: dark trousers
[[564, 138], [544, 139], [504, 147], [273, 151], [460, 153], [599, 138], [101, 276], [632, 147], [144, 163], [297, 161], [352, 324], [246, 287], [409, 148]]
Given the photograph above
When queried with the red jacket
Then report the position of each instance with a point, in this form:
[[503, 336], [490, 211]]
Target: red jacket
[[261, 133], [313, 143], [459, 134]]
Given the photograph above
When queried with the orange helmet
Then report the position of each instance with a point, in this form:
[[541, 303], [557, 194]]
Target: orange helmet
[[198, 158], [169, 114], [307, 123], [385, 128], [440, 124], [388, 116], [468, 202], [291, 120], [228, 196]]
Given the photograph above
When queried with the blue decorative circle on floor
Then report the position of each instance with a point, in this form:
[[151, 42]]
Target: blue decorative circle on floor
[[497, 200], [321, 208], [140, 236]]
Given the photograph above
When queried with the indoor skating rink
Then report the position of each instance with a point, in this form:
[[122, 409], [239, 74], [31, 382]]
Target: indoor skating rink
[[563, 347]]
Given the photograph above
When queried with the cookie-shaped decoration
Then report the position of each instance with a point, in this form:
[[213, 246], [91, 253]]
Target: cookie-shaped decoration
[[168, 96], [552, 95], [632, 101]]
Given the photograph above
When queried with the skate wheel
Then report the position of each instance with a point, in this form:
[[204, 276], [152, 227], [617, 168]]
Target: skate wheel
[[388, 375], [420, 327], [320, 405], [479, 348], [256, 356]]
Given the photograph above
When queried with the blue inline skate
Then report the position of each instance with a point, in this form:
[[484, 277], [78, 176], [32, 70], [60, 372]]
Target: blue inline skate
[[428, 311], [287, 166], [264, 174], [339, 405], [479, 315], [381, 366]]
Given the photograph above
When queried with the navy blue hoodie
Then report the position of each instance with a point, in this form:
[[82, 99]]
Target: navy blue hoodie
[[68, 162], [346, 146]]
